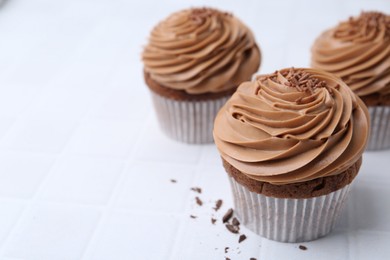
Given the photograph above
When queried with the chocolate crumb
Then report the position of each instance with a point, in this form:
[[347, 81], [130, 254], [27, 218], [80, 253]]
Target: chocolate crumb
[[227, 258], [302, 247], [173, 181], [198, 201], [252, 258], [233, 229], [197, 189], [226, 249], [227, 216], [192, 216], [213, 220], [218, 205], [235, 222], [242, 238]]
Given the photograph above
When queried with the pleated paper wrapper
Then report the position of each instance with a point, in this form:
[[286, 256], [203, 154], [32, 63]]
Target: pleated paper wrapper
[[187, 121], [380, 128], [288, 220]]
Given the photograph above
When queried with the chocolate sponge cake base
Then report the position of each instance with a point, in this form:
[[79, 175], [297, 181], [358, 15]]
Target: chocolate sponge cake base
[[376, 100], [181, 95], [307, 189]]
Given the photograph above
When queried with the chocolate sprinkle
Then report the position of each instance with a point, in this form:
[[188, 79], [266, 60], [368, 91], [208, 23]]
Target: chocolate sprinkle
[[198, 201], [232, 228], [235, 222], [197, 189], [302, 247], [227, 216], [226, 249], [173, 181], [213, 220], [218, 205], [192, 216], [252, 258], [242, 238]]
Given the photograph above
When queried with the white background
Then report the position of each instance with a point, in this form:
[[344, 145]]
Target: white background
[[84, 170]]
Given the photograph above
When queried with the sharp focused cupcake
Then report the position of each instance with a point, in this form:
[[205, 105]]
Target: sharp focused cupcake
[[358, 51], [193, 62], [291, 143]]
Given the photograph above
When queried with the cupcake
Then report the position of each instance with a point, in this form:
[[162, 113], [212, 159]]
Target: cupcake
[[193, 62], [291, 143], [358, 51]]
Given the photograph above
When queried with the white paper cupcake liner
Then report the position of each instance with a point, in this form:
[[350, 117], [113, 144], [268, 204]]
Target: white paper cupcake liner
[[288, 220], [187, 121], [380, 128]]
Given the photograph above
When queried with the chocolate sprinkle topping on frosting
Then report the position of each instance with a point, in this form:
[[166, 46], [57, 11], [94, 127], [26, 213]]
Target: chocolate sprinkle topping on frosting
[[364, 25], [199, 14]]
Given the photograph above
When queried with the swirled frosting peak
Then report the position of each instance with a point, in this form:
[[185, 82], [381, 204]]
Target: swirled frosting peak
[[292, 126], [201, 50], [358, 51]]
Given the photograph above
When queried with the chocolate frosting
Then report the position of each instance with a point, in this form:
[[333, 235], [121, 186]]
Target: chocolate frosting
[[292, 126], [201, 50], [358, 51]]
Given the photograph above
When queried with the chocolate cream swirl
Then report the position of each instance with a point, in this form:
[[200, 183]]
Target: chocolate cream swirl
[[201, 50], [292, 126], [358, 51]]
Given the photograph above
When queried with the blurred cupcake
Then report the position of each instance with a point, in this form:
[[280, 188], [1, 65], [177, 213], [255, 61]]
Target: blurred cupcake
[[358, 51], [193, 62], [292, 143]]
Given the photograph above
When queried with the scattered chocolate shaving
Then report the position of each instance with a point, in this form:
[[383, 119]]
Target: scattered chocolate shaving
[[192, 216], [232, 228], [226, 249], [302, 247], [227, 216], [173, 181], [241, 238], [197, 189], [213, 220], [218, 205], [199, 201], [252, 258], [235, 222], [227, 258]]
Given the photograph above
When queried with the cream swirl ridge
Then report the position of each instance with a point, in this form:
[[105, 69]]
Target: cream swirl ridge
[[201, 50], [292, 126], [358, 51]]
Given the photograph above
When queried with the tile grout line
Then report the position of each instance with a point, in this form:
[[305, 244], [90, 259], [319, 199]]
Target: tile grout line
[[115, 192], [34, 199], [182, 219]]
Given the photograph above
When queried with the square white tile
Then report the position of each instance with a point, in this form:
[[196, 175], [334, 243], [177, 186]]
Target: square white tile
[[42, 136], [50, 232], [150, 187], [103, 138], [22, 174], [10, 213], [82, 179], [370, 245], [159, 148], [127, 235]]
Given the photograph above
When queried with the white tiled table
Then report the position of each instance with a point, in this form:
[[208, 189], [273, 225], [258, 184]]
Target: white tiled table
[[85, 172]]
